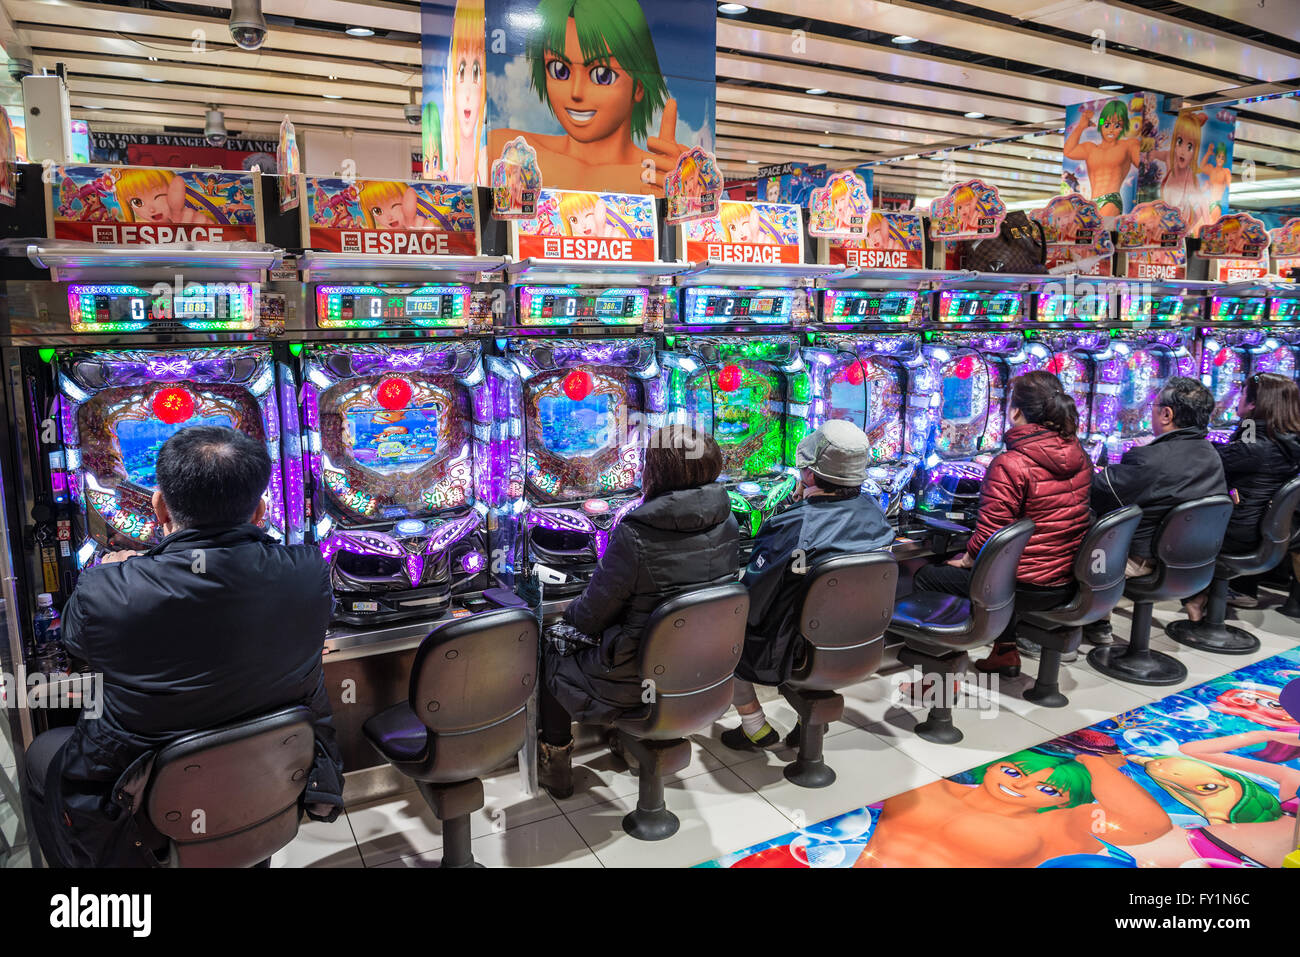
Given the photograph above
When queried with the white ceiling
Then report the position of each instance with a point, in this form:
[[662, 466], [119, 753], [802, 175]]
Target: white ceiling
[[1021, 62]]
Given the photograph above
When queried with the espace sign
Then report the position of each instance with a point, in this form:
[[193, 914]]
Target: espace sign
[[577, 226]]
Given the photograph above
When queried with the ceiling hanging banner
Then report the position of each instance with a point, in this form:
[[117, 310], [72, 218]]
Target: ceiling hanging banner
[[610, 93], [1102, 156], [1193, 160], [453, 51]]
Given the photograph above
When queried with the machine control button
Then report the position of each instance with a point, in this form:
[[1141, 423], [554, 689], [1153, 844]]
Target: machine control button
[[410, 526], [749, 488], [595, 506]]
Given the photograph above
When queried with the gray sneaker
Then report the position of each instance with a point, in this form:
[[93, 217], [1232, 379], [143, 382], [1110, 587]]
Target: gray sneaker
[[1028, 649]]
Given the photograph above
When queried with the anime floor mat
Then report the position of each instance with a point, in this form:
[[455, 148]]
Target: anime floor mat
[[1206, 777]]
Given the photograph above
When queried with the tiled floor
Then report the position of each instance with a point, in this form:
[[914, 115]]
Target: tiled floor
[[728, 800]]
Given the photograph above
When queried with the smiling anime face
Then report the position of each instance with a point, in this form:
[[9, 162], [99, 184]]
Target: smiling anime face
[[150, 207], [583, 223], [1184, 153], [591, 99], [469, 94], [742, 231], [388, 216], [1009, 784], [1112, 129]]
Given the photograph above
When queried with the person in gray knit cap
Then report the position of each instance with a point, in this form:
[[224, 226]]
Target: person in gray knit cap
[[831, 517]]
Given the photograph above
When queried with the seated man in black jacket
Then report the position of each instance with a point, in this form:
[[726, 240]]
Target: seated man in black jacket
[[1179, 465], [214, 624], [831, 518]]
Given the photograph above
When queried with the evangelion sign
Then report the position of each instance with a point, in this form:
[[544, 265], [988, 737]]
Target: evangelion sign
[[746, 233], [589, 227], [390, 218], [146, 205]]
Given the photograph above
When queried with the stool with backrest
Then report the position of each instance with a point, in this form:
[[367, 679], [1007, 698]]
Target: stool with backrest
[[938, 629], [846, 608], [1099, 575], [466, 715], [688, 660], [1186, 546], [1211, 634], [229, 797]]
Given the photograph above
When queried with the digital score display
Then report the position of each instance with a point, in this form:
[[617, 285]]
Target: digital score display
[[198, 307], [840, 305], [1067, 307], [1144, 309], [1237, 308], [576, 305], [401, 307], [1284, 310], [707, 305], [963, 305]]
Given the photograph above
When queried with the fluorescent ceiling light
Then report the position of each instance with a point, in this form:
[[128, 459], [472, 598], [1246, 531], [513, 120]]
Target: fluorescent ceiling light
[[902, 39], [752, 162], [1111, 86], [155, 79], [815, 91], [1265, 185], [332, 96], [732, 9], [974, 115], [359, 32], [825, 145], [1271, 194]]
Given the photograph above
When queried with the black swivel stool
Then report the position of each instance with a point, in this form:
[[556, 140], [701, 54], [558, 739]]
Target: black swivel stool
[[465, 716], [938, 629], [1186, 546], [241, 783], [846, 608], [1212, 634], [1099, 574], [688, 660]]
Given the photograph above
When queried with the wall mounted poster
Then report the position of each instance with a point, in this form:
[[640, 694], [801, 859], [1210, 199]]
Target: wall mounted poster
[[454, 100], [609, 92]]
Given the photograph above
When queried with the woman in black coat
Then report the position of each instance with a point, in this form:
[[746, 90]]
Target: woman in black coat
[[682, 536], [1263, 455]]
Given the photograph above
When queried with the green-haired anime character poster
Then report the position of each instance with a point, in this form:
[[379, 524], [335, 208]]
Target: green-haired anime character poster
[[1107, 144], [608, 92]]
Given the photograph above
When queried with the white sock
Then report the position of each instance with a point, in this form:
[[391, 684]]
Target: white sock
[[751, 724]]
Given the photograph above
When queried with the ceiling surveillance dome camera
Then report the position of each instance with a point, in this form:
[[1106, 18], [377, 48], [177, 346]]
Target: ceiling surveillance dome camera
[[247, 25], [214, 130], [412, 113], [20, 67]]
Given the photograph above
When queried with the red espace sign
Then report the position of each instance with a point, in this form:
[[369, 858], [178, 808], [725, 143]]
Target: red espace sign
[[698, 250], [151, 234], [393, 242], [841, 255], [619, 249]]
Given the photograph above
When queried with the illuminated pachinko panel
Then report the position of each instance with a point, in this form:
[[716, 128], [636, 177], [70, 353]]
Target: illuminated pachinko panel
[[716, 305], [576, 305], [1075, 373], [1067, 307], [373, 307], [1276, 357], [1223, 369], [860, 306], [964, 305], [1238, 309], [1142, 308], [1284, 310], [201, 307]]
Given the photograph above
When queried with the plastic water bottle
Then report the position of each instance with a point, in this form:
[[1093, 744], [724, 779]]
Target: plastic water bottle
[[50, 655]]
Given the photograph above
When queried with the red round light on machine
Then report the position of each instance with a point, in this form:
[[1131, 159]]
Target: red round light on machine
[[965, 366], [393, 394], [730, 378], [173, 405], [1056, 364], [1221, 356], [855, 373], [578, 384]]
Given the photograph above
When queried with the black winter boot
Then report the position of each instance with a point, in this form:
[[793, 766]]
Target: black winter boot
[[555, 768]]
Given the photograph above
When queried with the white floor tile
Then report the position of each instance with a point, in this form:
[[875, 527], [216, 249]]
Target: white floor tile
[[551, 842], [405, 826], [321, 845], [598, 776], [718, 811], [1092, 696], [867, 769]]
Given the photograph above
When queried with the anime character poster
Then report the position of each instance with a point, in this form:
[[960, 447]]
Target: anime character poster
[[8, 160], [794, 182], [454, 110], [894, 240], [1104, 143], [574, 225], [1192, 163], [288, 164], [841, 209], [746, 233], [609, 92], [143, 206], [390, 218], [1203, 778]]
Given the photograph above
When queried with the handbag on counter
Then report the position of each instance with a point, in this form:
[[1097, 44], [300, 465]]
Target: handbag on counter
[[1020, 247]]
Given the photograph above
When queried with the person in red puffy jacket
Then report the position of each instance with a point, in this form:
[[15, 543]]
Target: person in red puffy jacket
[[1044, 475]]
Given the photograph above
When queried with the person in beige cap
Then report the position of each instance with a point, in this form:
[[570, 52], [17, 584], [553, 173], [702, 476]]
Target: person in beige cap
[[831, 517]]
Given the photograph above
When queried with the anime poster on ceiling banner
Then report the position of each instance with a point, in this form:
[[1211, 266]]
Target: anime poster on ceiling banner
[[609, 92], [1104, 143], [1192, 163], [454, 96]]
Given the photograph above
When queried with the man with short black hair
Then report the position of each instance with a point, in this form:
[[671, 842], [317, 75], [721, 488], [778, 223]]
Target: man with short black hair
[[214, 624], [1179, 465], [832, 517]]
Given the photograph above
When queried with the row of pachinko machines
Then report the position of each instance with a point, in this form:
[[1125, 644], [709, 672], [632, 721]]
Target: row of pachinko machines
[[467, 414]]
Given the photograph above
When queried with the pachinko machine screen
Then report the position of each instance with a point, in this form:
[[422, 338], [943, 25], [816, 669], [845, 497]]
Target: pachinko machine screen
[[963, 305], [1284, 310], [1076, 375], [579, 443], [741, 403], [1238, 308], [1142, 308], [1069, 307], [1144, 372], [970, 416], [576, 305], [119, 407], [200, 307], [870, 393], [374, 307], [860, 306], [707, 305]]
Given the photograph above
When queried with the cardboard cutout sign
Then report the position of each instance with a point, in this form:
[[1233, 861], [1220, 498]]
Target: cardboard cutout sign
[[1284, 246], [970, 210], [841, 208], [146, 206], [288, 164], [694, 188], [1075, 234], [746, 233], [893, 241], [1155, 225], [1235, 236], [387, 217], [516, 181], [580, 226]]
